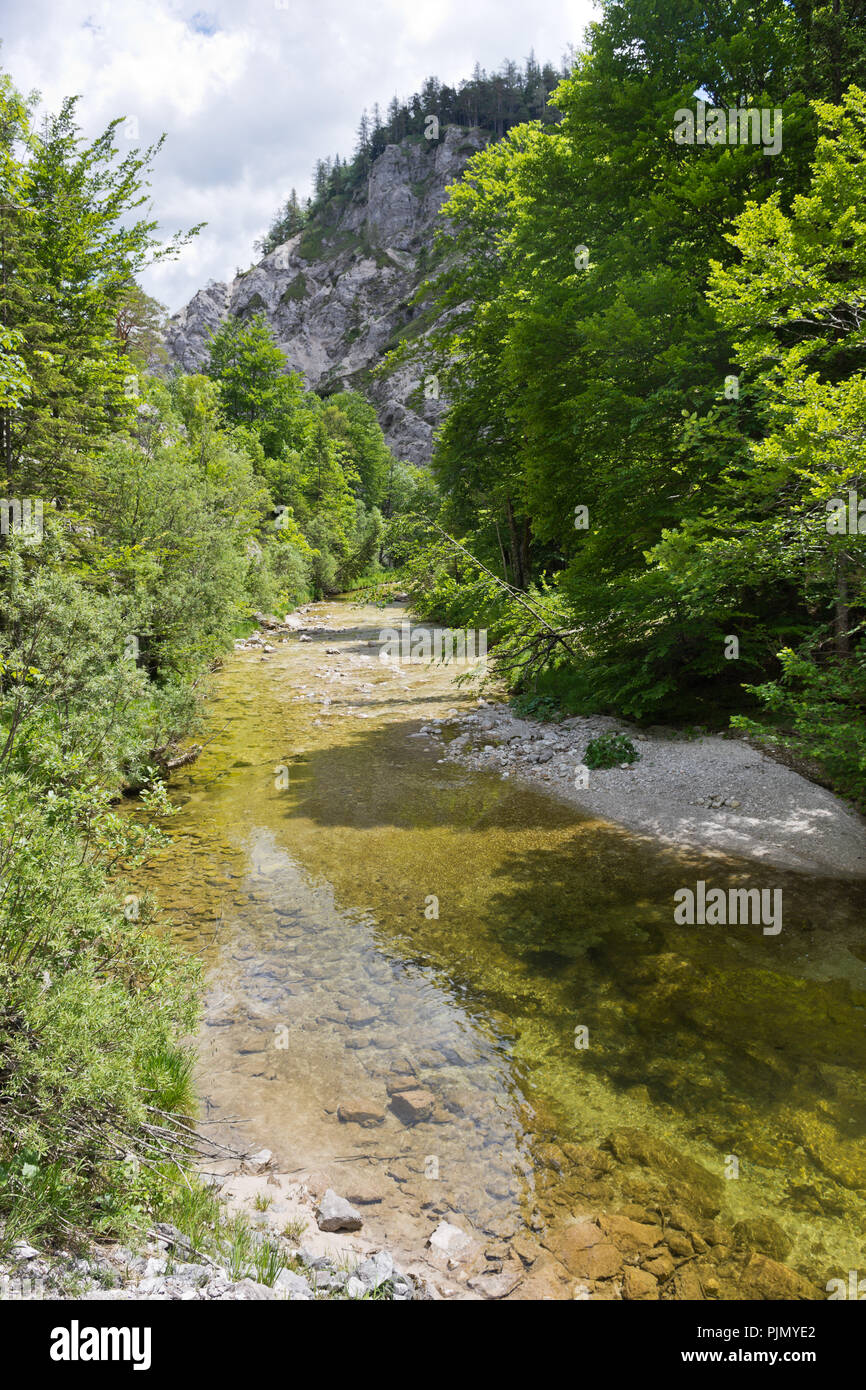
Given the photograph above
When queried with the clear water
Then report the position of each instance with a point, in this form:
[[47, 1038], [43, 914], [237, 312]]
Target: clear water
[[329, 975]]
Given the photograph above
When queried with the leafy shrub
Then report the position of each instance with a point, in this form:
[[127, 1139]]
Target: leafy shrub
[[610, 750], [542, 707], [816, 711]]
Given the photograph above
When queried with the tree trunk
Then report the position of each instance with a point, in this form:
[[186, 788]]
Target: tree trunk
[[841, 620], [516, 548]]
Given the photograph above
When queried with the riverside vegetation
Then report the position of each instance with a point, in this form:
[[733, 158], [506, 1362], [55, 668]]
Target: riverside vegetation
[[167, 511], [669, 337]]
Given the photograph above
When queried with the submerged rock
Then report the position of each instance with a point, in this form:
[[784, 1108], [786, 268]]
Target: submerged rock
[[412, 1106], [450, 1240], [764, 1234]]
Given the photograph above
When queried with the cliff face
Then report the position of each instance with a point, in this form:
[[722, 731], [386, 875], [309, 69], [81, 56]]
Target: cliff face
[[337, 294]]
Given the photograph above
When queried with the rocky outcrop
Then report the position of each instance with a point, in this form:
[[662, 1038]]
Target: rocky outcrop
[[337, 295]]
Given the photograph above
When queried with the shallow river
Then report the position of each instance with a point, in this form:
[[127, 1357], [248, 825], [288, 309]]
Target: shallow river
[[317, 843]]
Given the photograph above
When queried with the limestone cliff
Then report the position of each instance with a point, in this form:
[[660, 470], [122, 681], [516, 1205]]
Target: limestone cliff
[[337, 294]]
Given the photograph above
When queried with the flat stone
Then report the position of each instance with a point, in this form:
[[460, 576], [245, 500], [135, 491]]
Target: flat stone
[[546, 1282], [764, 1234], [595, 1262], [395, 1084], [450, 1240], [570, 1243], [360, 1112], [767, 1279], [292, 1286], [662, 1266], [413, 1106], [685, 1285], [498, 1284], [639, 1284], [630, 1236], [336, 1214]]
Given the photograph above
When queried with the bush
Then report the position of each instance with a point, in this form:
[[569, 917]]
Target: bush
[[95, 1009], [609, 750]]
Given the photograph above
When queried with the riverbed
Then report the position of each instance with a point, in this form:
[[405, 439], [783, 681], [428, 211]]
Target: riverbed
[[376, 921]]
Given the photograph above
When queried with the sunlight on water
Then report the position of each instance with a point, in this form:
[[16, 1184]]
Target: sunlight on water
[[331, 979]]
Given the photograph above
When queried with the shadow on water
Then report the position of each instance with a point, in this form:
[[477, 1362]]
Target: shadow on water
[[386, 909]]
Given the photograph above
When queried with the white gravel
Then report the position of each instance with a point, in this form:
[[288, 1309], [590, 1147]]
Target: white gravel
[[705, 793]]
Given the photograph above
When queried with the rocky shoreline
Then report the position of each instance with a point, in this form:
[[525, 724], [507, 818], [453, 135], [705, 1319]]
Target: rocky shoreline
[[318, 1258], [674, 1246], [708, 792]]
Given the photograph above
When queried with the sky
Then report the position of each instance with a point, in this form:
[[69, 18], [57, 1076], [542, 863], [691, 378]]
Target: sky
[[250, 94]]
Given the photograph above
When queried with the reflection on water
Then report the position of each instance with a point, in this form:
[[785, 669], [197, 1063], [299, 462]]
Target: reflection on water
[[389, 921]]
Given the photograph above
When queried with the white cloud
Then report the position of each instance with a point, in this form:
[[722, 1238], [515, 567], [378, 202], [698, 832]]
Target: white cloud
[[251, 93]]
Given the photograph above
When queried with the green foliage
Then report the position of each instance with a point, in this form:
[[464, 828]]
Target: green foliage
[[653, 357], [533, 706], [290, 219], [609, 750], [816, 710], [325, 465], [146, 558]]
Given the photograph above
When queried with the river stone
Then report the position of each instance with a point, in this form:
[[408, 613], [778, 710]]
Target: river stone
[[547, 1281], [412, 1106], [679, 1244], [766, 1279], [360, 1112], [685, 1286], [679, 1175], [639, 1284], [597, 1262], [662, 1266], [579, 1236], [764, 1234], [450, 1240], [376, 1270], [292, 1286], [335, 1214], [251, 1291], [498, 1284], [630, 1236]]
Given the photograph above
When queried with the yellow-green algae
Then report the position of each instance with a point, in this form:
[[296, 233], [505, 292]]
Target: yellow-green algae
[[385, 908]]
